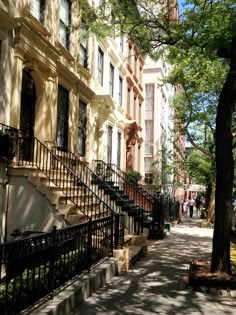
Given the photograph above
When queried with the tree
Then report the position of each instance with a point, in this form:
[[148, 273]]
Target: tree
[[154, 28], [195, 110]]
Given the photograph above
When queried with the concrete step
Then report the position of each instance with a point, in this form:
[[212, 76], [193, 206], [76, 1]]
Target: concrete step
[[135, 252]]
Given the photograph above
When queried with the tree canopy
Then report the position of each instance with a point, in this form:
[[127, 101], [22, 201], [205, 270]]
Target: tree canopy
[[203, 42]]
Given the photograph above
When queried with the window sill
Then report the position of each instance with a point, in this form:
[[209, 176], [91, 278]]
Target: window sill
[[37, 25]]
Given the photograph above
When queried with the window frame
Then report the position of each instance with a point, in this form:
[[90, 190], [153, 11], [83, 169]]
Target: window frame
[[111, 79], [63, 25], [120, 91], [128, 100], [149, 98], [83, 46], [82, 128], [39, 13], [100, 66]]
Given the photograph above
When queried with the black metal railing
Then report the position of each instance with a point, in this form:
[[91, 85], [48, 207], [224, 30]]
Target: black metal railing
[[143, 199], [115, 184], [75, 191], [103, 188], [157, 207], [131, 187], [34, 267], [8, 141]]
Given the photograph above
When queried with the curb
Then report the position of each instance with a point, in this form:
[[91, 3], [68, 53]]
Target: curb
[[72, 296]]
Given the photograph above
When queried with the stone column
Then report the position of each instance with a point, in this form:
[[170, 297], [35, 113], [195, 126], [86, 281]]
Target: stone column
[[16, 91], [50, 109], [73, 119]]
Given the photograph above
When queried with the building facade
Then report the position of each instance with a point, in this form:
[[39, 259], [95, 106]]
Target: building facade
[[158, 135], [69, 91]]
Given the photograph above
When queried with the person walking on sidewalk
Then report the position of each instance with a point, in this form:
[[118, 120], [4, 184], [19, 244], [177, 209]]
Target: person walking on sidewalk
[[191, 205]]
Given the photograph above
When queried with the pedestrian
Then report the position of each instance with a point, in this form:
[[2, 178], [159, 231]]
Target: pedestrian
[[185, 206], [191, 205], [198, 206]]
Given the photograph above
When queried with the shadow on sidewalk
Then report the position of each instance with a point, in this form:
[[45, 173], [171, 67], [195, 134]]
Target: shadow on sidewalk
[[155, 284]]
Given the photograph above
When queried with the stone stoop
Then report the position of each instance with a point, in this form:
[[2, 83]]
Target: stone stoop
[[135, 247], [70, 297]]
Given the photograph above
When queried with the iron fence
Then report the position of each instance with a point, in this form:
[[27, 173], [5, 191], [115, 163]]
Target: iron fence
[[34, 267]]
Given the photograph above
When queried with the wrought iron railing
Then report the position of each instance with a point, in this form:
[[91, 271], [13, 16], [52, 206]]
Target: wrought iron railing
[[74, 190], [34, 267], [109, 194], [156, 206], [132, 188], [106, 173], [8, 141]]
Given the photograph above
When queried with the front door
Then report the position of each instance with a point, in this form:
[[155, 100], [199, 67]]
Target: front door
[[118, 149], [27, 116], [62, 118], [109, 144]]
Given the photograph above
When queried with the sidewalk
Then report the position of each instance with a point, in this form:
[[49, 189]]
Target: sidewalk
[[155, 285]]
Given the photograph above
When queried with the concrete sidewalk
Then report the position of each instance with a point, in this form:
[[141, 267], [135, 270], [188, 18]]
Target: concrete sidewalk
[[155, 284]]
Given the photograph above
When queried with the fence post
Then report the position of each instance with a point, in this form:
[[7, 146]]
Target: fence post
[[52, 267], [142, 219], [89, 245], [116, 234], [112, 231]]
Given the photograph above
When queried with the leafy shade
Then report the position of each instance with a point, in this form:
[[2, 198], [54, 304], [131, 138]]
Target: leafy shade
[[199, 167], [201, 79], [154, 26]]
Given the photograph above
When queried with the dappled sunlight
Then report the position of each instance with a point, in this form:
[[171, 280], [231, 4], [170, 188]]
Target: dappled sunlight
[[31, 209], [156, 283]]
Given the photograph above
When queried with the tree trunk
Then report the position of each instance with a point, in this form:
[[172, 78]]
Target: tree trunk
[[224, 170]]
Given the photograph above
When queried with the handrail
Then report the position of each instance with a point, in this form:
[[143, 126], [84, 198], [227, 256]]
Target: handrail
[[86, 174], [43, 156], [34, 267], [142, 197]]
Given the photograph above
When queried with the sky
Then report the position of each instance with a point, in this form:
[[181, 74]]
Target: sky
[[180, 2]]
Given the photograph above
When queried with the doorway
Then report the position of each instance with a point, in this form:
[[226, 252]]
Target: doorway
[[109, 144], [27, 116], [62, 118]]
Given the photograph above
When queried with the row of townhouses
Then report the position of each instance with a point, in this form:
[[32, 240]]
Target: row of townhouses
[[98, 99]]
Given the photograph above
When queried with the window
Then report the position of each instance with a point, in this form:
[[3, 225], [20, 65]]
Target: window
[[128, 100], [37, 8], [62, 117], [120, 90], [135, 104], [149, 100], [148, 178], [148, 164], [139, 114], [135, 65], [100, 66], [122, 43], [148, 130], [82, 124], [83, 46], [130, 55], [140, 75], [111, 79], [64, 23], [148, 148]]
